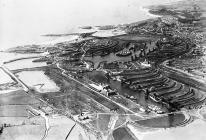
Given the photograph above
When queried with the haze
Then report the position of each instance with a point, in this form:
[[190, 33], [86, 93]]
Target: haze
[[22, 21]]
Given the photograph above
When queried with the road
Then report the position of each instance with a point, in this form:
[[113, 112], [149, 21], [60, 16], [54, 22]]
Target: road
[[7, 71], [118, 104], [31, 93], [182, 77], [43, 115], [26, 89]]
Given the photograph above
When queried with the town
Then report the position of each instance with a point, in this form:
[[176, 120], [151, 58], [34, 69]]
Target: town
[[132, 79]]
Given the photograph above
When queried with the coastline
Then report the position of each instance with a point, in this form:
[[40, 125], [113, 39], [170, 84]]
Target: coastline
[[146, 10], [139, 135], [51, 39]]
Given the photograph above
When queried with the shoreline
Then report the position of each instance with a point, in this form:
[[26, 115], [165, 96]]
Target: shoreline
[[72, 36], [146, 10], [159, 71], [13, 60]]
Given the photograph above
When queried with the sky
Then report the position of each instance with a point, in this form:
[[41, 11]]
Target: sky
[[22, 21]]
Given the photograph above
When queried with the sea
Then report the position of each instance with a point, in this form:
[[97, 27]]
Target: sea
[[23, 22]]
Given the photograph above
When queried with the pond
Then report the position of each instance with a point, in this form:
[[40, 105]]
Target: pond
[[38, 80]]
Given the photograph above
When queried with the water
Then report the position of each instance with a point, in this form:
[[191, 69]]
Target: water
[[23, 21], [109, 58], [24, 63], [4, 57], [38, 80]]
